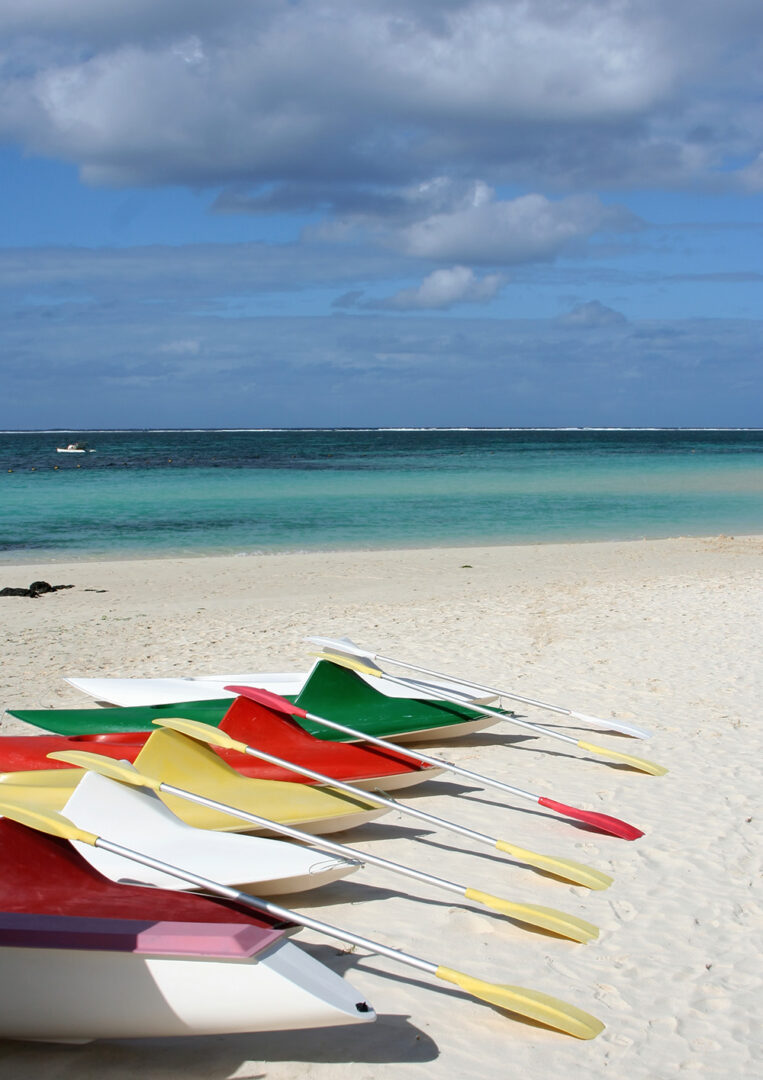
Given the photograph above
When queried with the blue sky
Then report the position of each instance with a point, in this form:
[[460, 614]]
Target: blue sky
[[381, 213]]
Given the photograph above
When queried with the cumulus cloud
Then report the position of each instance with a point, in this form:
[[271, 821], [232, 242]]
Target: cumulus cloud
[[182, 347], [439, 291], [593, 315], [444, 288], [371, 369], [378, 92], [490, 230], [443, 220]]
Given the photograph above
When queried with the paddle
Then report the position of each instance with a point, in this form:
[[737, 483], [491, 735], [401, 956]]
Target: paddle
[[603, 822], [575, 872], [366, 667], [349, 648], [529, 1003], [547, 918]]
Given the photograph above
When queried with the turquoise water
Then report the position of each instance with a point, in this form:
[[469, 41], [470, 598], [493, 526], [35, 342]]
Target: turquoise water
[[195, 492]]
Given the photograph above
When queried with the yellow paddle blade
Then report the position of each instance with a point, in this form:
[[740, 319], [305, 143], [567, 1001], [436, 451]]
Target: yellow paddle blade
[[558, 922], [531, 1003], [203, 732], [576, 872], [635, 762], [365, 667], [47, 821], [106, 766]]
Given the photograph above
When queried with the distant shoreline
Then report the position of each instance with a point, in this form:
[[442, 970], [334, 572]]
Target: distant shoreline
[[466, 427], [35, 565]]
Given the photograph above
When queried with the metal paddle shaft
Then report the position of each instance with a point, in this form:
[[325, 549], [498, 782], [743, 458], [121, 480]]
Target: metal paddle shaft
[[529, 1003], [349, 647], [371, 668], [603, 822], [558, 922], [213, 737], [568, 869]]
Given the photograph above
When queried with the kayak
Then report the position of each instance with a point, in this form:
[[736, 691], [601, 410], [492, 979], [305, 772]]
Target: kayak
[[330, 690], [136, 818], [82, 958], [185, 763], [127, 692], [364, 766]]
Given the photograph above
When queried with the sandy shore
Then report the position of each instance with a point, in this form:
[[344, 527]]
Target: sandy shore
[[666, 633]]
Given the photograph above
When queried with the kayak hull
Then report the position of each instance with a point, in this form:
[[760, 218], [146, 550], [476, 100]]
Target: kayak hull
[[137, 692], [137, 819], [78, 995], [182, 762], [83, 958], [330, 691], [363, 765]]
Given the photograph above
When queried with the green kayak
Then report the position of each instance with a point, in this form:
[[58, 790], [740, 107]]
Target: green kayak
[[331, 691]]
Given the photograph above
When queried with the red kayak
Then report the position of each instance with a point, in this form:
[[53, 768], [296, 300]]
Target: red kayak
[[250, 723], [82, 957], [45, 875]]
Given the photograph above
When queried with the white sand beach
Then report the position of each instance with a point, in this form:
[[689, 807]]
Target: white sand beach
[[665, 633]]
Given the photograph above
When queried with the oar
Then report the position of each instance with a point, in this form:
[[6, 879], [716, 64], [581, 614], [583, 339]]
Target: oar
[[529, 1003], [368, 667], [547, 918], [563, 868], [344, 645], [603, 822]]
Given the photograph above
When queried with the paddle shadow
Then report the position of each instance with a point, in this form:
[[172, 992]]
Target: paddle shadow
[[355, 892], [620, 766], [439, 987], [436, 787], [487, 737]]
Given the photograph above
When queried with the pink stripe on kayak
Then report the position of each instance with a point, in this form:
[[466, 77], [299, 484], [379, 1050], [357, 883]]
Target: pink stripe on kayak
[[213, 940]]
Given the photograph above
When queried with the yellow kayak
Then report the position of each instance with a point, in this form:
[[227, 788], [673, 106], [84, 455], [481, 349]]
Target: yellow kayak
[[185, 763]]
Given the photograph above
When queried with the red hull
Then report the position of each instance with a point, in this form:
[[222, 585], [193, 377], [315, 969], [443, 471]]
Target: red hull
[[45, 875], [246, 721]]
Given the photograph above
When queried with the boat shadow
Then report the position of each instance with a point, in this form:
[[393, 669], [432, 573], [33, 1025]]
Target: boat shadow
[[392, 1039]]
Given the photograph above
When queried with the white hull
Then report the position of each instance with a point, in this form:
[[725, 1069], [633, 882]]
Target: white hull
[[398, 781], [126, 692], [452, 731], [138, 819], [76, 995]]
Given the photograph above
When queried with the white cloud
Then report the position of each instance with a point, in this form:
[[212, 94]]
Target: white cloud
[[485, 229], [593, 315], [358, 92], [182, 347], [442, 289]]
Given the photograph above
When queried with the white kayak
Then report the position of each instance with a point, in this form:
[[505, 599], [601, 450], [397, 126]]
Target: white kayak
[[150, 692], [127, 692], [138, 819], [74, 979]]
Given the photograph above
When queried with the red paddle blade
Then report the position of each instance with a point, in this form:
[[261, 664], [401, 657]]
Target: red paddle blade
[[599, 821], [268, 699]]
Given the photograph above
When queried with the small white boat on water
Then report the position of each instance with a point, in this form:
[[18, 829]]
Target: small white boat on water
[[75, 448]]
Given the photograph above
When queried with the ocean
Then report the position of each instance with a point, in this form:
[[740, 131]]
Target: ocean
[[170, 493]]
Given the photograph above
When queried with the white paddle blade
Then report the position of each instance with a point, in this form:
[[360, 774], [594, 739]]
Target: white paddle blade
[[343, 645], [612, 725]]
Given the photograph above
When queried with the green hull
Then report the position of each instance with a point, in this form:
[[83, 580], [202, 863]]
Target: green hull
[[134, 718], [331, 691]]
